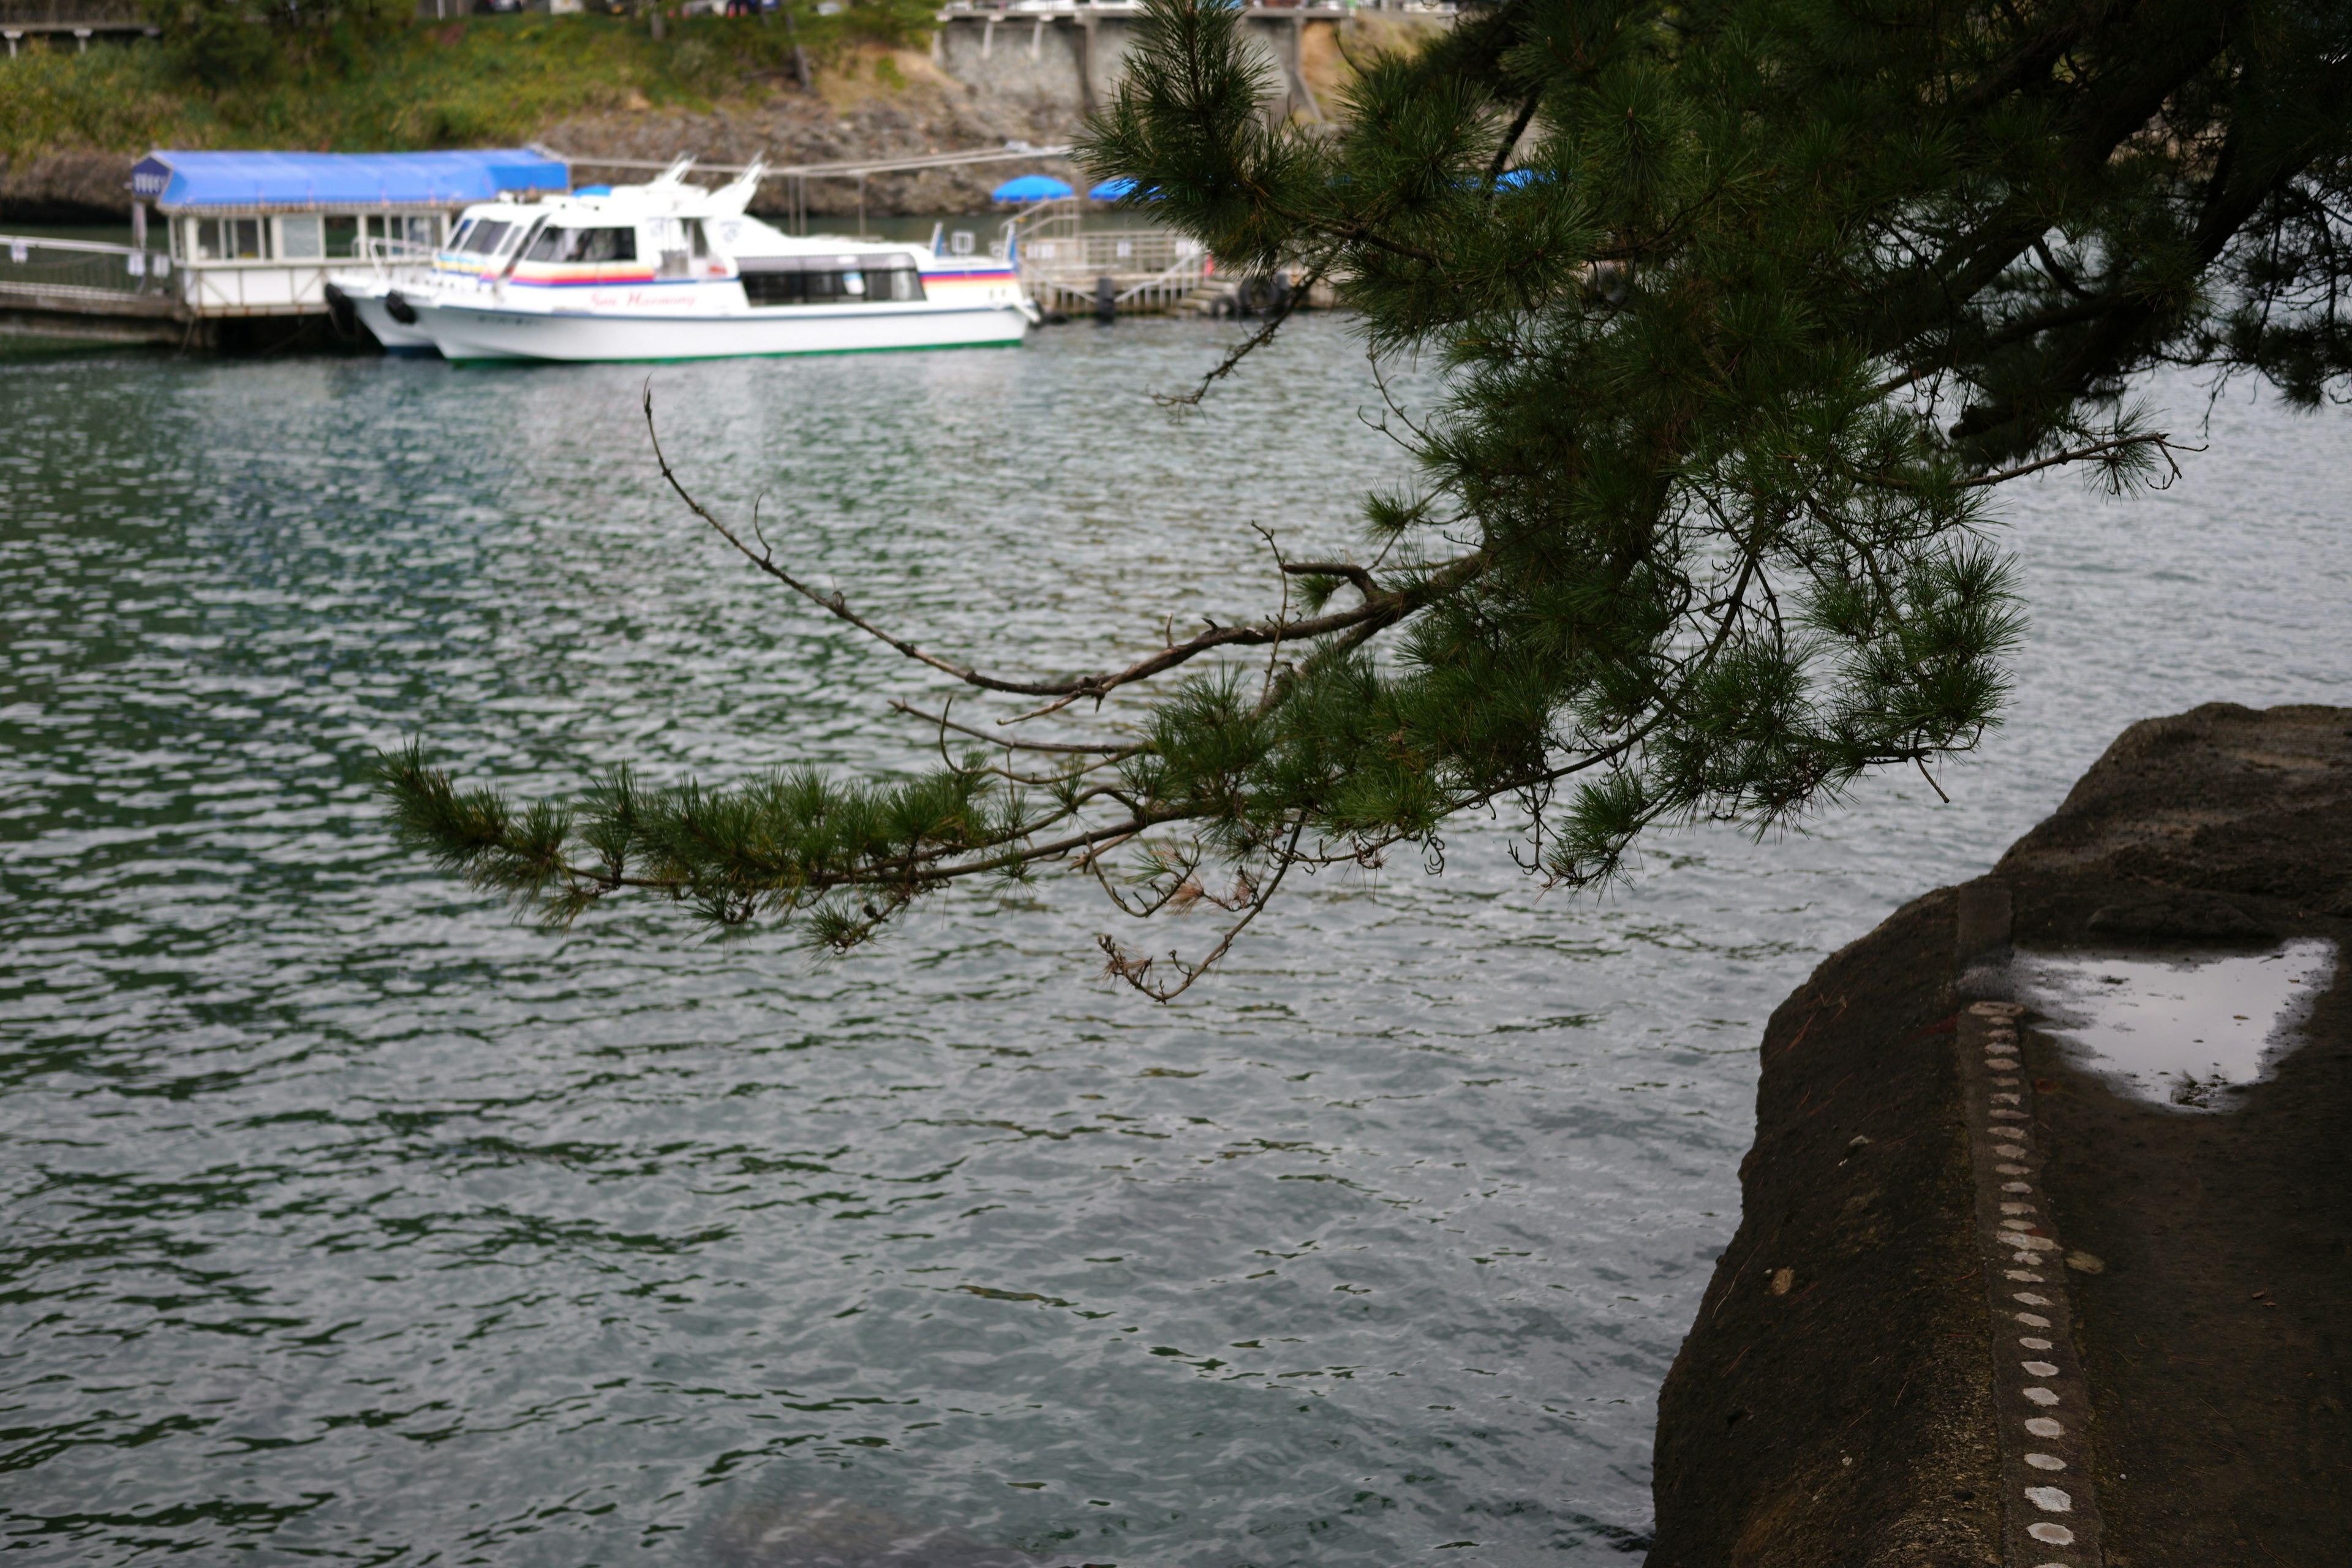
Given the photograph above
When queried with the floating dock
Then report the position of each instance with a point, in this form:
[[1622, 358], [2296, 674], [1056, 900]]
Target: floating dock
[[250, 236]]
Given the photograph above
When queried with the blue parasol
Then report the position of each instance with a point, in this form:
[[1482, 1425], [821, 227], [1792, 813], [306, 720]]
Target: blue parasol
[[1030, 188]]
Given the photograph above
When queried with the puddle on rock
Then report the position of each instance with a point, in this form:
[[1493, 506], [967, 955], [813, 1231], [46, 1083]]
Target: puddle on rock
[[2181, 1031]]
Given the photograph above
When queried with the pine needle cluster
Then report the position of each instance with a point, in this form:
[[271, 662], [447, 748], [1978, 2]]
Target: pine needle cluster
[[1746, 308]]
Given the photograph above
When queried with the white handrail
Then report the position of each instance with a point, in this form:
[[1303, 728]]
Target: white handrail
[[98, 248], [1183, 263]]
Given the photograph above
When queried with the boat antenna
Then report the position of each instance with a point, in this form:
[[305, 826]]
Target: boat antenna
[[736, 196]]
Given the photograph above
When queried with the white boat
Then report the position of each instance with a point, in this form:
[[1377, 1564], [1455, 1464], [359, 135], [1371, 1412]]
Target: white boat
[[395, 270], [669, 271], [484, 240]]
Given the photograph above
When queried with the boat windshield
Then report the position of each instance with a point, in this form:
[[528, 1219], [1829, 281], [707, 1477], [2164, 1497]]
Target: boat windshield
[[482, 239], [523, 237]]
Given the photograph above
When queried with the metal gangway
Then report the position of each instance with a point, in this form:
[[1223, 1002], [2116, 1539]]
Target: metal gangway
[[1067, 265]]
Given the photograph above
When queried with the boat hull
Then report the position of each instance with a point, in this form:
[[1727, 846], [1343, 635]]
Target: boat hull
[[367, 296], [469, 332], [376, 317]]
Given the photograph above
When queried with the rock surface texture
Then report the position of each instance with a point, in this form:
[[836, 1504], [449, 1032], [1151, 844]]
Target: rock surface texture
[[1844, 1395]]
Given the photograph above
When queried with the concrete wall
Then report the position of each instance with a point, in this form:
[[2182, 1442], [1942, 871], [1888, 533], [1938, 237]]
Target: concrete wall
[[1074, 60]]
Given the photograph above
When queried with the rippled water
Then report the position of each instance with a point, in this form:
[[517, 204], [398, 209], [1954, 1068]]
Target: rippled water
[[346, 1221]]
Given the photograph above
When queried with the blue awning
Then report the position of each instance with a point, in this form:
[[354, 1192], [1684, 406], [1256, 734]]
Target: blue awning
[[316, 181], [1030, 188]]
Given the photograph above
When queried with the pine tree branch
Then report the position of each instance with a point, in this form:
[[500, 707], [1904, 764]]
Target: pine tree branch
[[1518, 127]]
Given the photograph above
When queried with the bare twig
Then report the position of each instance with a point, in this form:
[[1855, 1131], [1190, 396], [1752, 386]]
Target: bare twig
[[1383, 612], [2158, 439], [1012, 744], [1248, 346], [1138, 972]]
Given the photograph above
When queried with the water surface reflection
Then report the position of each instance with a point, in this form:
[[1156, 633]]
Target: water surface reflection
[[347, 1221]]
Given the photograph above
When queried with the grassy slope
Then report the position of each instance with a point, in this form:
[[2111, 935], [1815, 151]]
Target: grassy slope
[[483, 81]]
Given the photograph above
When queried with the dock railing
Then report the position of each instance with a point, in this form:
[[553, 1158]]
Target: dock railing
[[81, 289], [81, 268], [80, 20]]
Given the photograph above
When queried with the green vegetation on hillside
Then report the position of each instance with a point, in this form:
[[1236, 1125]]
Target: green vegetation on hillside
[[358, 80]]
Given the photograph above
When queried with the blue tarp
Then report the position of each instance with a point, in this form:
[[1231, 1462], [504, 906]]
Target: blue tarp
[[1030, 188], [305, 181]]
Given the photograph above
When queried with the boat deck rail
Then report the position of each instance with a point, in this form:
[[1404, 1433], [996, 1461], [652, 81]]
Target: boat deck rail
[[395, 257]]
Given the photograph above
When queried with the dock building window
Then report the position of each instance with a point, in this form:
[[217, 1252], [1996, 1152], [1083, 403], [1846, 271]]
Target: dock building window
[[305, 237], [300, 238], [232, 239], [413, 228]]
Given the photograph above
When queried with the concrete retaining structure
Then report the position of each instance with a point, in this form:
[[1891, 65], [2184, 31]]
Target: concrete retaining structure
[[1072, 58]]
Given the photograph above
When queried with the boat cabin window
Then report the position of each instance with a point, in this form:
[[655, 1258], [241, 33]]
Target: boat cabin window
[[828, 280], [342, 235], [483, 237], [232, 239], [584, 244], [457, 240]]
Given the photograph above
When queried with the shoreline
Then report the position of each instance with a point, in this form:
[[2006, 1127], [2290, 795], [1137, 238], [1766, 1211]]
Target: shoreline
[[1846, 1394]]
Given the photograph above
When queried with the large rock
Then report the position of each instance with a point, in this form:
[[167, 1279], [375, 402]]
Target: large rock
[[1833, 1403]]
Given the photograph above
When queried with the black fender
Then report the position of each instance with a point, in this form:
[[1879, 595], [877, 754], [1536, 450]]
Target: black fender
[[339, 314], [396, 306]]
